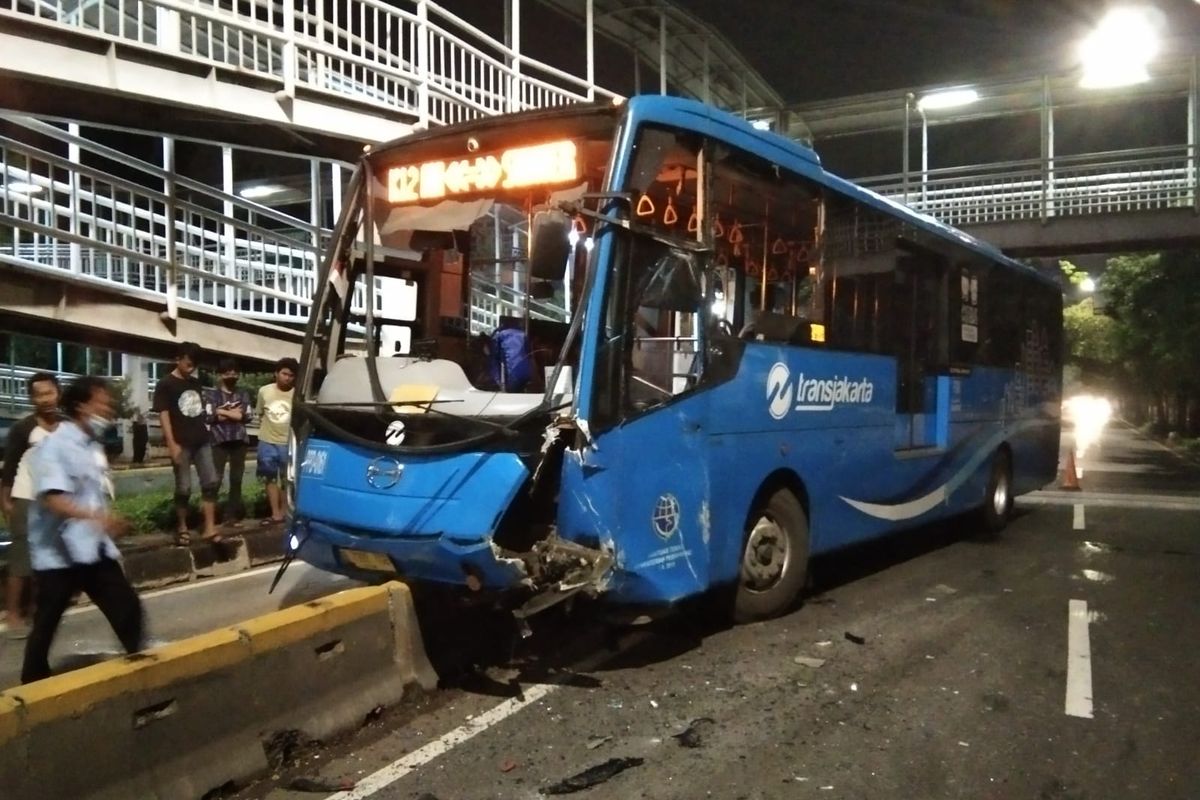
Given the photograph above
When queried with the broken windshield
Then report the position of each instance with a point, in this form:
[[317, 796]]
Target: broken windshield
[[431, 309]]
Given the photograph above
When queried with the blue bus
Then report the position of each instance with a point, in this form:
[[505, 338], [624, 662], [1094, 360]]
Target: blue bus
[[730, 359]]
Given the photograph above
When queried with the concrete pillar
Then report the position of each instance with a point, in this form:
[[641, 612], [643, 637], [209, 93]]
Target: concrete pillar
[[73, 157], [230, 234], [133, 369]]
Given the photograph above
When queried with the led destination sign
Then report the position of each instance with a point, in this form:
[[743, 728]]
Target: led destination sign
[[516, 168]]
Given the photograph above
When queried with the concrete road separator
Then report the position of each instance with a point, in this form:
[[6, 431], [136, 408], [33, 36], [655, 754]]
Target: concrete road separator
[[183, 719]]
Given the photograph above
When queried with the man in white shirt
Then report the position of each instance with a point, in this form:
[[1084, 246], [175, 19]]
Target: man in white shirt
[[16, 491], [72, 528]]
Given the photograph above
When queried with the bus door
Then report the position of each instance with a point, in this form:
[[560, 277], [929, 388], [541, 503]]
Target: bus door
[[922, 389], [654, 456]]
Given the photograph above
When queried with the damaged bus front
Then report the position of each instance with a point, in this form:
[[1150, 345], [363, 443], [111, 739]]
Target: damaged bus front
[[439, 366]]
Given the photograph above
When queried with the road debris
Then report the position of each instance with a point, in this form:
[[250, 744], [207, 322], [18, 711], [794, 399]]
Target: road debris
[[809, 661], [303, 784], [695, 733], [508, 765], [596, 741], [593, 776], [851, 637]]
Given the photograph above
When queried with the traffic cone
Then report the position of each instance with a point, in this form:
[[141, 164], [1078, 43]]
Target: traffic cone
[[1070, 477]]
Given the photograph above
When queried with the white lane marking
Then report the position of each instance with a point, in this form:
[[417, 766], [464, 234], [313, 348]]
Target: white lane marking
[[418, 758], [1078, 524], [1079, 661], [1160, 502]]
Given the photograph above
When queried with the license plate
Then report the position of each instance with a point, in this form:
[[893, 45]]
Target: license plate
[[364, 559]]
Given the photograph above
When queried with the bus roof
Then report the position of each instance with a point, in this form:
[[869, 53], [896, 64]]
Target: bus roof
[[803, 160], [732, 130]]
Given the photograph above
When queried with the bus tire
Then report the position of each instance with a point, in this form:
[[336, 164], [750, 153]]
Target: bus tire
[[774, 561], [998, 500]]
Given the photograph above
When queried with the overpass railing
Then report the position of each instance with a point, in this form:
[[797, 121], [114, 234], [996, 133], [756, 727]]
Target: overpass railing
[[408, 56], [150, 231], [491, 300], [1042, 189]]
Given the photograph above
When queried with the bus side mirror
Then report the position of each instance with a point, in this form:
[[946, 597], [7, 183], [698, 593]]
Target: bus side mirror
[[549, 247]]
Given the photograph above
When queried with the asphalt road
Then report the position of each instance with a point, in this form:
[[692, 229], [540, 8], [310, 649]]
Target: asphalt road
[[175, 613], [949, 667]]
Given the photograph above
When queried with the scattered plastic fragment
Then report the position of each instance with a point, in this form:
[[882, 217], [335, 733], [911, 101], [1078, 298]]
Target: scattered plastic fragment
[[855, 638], [695, 733], [963, 744], [593, 776], [825, 643], [854, 687], [809, 661], [508, 765], [654, 704], [302, 784], [596, 741]]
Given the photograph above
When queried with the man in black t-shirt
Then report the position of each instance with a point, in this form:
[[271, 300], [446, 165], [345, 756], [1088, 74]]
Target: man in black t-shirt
[[179, 401]]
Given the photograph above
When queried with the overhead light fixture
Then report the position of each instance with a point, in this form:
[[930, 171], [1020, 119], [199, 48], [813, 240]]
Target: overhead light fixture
[[761, 124], [951, 98], [1119, 50], [261, 191], [21, 187]]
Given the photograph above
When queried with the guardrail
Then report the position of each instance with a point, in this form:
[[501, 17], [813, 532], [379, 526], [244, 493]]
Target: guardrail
[[411, 56], [1043, 189], [153, 232]]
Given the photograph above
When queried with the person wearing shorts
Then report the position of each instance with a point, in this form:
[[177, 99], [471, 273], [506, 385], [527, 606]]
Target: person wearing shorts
[[274, 413], [179, 401]]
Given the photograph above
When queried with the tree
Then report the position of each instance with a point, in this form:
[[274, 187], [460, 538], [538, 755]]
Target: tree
[[1090, 338], [1155, 302]]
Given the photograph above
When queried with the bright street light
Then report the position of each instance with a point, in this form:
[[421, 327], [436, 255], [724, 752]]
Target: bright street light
[[951, 98], [1087, 285], [1118, 51]]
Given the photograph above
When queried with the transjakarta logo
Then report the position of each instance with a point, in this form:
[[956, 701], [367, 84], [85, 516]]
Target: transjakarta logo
[[812, 394]]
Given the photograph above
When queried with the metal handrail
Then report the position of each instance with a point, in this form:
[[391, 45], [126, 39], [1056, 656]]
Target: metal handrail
[[430, 60]]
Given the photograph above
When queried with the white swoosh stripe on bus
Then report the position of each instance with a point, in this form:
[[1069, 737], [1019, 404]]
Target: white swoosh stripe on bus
[[894, 512]]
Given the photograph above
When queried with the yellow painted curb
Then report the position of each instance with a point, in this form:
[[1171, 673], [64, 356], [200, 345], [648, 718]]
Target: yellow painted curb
[[291, 625], [193, 657], [74, 692], [10, 718]]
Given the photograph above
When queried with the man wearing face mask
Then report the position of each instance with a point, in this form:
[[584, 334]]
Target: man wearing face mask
[[71, 527], [228, 409]]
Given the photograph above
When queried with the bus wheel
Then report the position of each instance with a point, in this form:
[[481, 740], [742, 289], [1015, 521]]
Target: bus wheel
[[997, 503], [775, 559]]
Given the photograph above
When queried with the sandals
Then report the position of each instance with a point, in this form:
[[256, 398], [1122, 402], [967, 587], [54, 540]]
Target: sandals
[[216, 538], [183, 538], [265, 523]]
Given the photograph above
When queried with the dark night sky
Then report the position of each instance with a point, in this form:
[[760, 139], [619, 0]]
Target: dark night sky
[[816, 49]]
